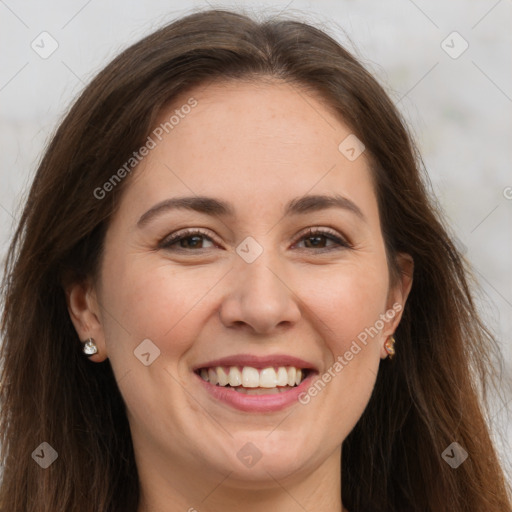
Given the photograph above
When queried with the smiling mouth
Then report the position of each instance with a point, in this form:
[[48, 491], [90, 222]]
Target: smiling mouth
[[254, 381]]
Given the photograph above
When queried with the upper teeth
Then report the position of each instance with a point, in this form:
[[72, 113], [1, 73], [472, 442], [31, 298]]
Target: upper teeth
[[250, 377]]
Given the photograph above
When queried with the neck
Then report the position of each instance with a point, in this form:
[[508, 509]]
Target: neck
[[166, 489]]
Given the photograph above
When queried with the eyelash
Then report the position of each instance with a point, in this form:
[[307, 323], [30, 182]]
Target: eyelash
[[166, 243]]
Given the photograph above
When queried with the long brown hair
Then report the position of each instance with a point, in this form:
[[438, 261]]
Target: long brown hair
[[430, 395]]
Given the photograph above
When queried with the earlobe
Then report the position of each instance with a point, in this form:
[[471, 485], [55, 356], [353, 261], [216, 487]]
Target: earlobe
[[84, 313], [396, 302]]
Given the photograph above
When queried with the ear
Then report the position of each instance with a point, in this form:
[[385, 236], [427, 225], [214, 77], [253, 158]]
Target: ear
[[397, 297], [85, 314]]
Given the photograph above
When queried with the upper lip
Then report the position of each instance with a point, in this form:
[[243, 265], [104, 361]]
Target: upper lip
[[259, 362]]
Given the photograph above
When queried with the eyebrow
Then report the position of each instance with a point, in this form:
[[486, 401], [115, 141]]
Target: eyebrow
[[219, 208]]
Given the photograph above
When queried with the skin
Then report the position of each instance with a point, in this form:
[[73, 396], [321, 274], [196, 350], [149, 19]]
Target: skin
[[207, 302]]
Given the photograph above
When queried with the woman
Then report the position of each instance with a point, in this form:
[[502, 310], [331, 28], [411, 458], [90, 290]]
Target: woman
[[224, 239]]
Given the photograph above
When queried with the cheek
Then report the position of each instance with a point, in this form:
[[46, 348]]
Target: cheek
[[155, 299], [347, 299], [150, 297], [347, 305]]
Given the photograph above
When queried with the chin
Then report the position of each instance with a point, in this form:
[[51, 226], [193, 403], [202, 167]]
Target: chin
[[262, 457]]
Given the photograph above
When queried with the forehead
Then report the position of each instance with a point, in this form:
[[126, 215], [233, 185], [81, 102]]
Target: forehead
[[249, 141], [256, 112]]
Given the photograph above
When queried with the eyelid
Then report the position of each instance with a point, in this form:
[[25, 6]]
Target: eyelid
[[184, 233], [341, 241], [324, 231]]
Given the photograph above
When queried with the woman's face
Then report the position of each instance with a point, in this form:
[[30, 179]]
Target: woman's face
[[252, 291]]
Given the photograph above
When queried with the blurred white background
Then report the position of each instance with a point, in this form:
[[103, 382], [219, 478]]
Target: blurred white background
[[457, 100]]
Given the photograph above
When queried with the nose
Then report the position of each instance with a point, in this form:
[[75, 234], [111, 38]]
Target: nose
[[259, 296]]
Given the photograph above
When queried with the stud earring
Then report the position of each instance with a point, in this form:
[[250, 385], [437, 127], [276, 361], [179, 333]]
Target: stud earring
[[90, 348], [389, 346]]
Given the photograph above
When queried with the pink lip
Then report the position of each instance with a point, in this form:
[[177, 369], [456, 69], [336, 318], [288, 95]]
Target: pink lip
[[258, 362], [257, 403]]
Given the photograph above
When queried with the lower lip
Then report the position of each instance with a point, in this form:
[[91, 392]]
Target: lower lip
[[257, 403]]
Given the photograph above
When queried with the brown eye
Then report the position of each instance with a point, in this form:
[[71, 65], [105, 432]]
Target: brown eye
[[185, 241], [194, 240], [319, 238]]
